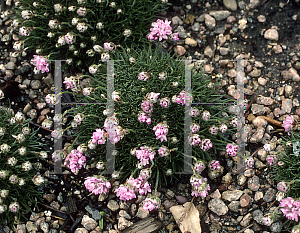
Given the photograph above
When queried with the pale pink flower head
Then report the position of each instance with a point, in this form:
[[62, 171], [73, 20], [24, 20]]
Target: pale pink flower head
[[194, 112], [175, 37], [99, 136], [145, 154], [206, 144], [151, 203], [200, 187], [199, 166], [14, 207], [125, 192], [272, 159], [75, 160], [165, 102], [152, 97], [231, 149], [288, 123], [290, 208], [205, 115], [213, 130], [214, 165], [97, 184], [283, 186], [195, 127], [160, 30], [145, 174], [143, 117], [41, 64], [249, 161], [268, 219], [163, 151], [70, 82], [223, 128], [144, 76], [194, 140], [161, 131], [147, 106]]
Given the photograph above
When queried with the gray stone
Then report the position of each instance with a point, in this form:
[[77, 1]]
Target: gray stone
[[246, 220], [253, 4], [44, 227], [210, 21], [123, 223], [270, 195], [81, 230], [141, 213], [191, 42], [258, 196], [245, 200], [276, 227], [234, 206], [30, 226], [255, 73], [232, 195], [259, 164], [177, 21], [6, 38], [200, 18], [253, 183], [265, 100], [113, 205], [48, 80], [259, 122], [241, 179], [95, 213], [224, 51], [287, 105], [258, 135], [196, 27], [88, 223], [208, 52], [217, 206], [220, 15], [35, 84], [124, 214], [258, 216], [21, 228], [292, 73], [230, 4], [10, 65], [181, 32]]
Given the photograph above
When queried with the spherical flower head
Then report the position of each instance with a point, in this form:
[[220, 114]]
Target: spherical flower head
[[267, 147], [100, 165], [12, 120], [165, 102], [72, 8], [57, 133], [82, 11], [200, 186], [163, 151], [80, 2], [145, 174], [78, 118], [268, 219], [223, 128], [82, 27], [4, 193], [24, 31], [14, 207], [2, 131], [132, 60], [169, 172], [288, 123], [144, 76], [42, 154], [21, 182], [205, 115], [125, 193], [280, 196], [99, 136], [199, 166], [53, 24], [70, 38], [283, 186], [26, 14], [4, 174], [143, 117], [38, 180], [20, 117], [97, 184], [50, 99], [194, 112], [145, 154], [18, 45], [50, 34], [57, 156], [206, 144], [19, 138], [13, 179], [90, 52], [151, 203], [41, 64], [160, 30], [174, 140], [75, 160], [26, 166], [116, 96], [213, 130], [58, 8], [161, 131], [93, 69], [195, 127], [127, 33], [214, 165], [249, 161], [4, 148], [152, 97], [290, 208], [272, 159], [194, 140], [105, 57], [234, 122], [12, 161], [231, 149], [99, 26], [147, 106]]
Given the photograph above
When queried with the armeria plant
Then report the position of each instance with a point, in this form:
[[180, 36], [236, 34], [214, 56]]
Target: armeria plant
[[20, 155], [146, 125], [76, 30]]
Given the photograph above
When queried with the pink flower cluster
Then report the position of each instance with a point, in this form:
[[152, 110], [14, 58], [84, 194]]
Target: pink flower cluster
[[194, 140], [214, 165], [41, 64], [161, 130], [144, 76], [163, 151], [283, 186], [162, 30], [183, 98], [128, 191], [145, 154], [288, 123], [206, 144], [151, 203], [199, 184], [199, 166], [272, 160], [99, 136], [97, 184], [195, 127], [143, 117], [75, 160], [147, 107], [231, 149], [249, 161], [290, 208]]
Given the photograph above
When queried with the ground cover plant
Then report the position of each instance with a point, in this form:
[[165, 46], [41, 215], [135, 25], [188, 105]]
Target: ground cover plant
[[20, 153], [76, 30], [147, 126]]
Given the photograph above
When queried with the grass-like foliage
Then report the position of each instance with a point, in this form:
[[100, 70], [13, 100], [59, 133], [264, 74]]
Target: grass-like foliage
[[164, 75], [71, 29], [19, 155]]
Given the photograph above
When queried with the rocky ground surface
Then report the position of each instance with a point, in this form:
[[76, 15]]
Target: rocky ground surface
[[266, 35]]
